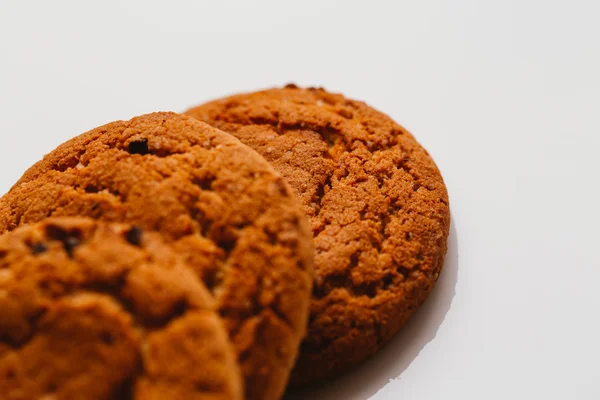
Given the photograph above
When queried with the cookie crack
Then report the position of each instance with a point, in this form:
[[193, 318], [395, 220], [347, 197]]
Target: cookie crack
[[318, 199], [69, 163], [331, 282]]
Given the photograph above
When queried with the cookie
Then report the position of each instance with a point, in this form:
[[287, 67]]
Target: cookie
[[92, 310], [378, 207], [216, 202]]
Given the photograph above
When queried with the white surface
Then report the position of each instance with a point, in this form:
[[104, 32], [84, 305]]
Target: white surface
[[504, 94]]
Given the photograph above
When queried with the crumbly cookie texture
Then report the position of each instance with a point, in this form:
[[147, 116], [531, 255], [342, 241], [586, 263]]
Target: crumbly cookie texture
[[218, 204], [378, 207], [106, 311]]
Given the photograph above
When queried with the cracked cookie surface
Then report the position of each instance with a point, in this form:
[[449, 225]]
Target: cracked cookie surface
[[378, 208], [93, 310], [216, 202]]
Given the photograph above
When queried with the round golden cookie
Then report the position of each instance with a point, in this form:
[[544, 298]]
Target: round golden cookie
[[106, 311], [378, 208], [215, 201]]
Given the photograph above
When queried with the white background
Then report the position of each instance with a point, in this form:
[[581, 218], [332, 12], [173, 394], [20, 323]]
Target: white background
[[504, 94]]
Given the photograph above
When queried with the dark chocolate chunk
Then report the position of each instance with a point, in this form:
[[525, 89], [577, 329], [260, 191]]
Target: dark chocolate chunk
[[139, 147], [70, 243], [134, 235]]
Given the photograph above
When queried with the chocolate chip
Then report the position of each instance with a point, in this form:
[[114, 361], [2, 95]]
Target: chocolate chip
[[107, 338], [138, 147], [70, 243], [38, 248], [387, 280], [134, 235], [204, 183], [405, 272]]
